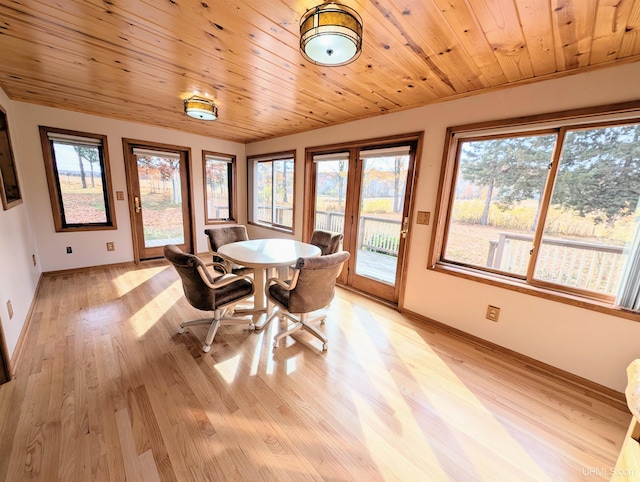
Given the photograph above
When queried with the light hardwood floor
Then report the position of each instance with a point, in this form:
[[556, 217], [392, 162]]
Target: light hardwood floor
[[107, 390]]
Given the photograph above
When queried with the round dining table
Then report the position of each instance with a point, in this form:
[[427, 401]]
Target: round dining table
[[265, 255]]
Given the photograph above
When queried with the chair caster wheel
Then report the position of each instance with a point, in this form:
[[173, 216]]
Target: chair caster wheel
[[325, 346], [206, 348], [181, 329], [252, 327]]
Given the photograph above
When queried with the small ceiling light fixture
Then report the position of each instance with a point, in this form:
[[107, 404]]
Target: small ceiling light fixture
[[200, 108], [331, 34]]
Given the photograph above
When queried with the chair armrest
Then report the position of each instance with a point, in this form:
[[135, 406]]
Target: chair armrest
[[223, 280], [217, 267], [287, 286]]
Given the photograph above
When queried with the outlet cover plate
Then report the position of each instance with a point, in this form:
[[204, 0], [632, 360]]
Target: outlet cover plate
[[423, 217], [493, 313]]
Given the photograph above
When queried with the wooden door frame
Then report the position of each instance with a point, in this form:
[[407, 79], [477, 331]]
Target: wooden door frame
[[127, 145], [5, 362], [414, 138]]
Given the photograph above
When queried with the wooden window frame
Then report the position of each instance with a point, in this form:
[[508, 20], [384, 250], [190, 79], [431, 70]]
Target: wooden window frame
[[55, 195], [233, 198], [8, 166], [616, 114], [251, 189]]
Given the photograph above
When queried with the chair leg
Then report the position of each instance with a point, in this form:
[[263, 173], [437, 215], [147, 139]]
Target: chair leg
[[274, 314], [215, 323], [283, 334], [318, 334], [199, 321], [302, 323], [213, 329]]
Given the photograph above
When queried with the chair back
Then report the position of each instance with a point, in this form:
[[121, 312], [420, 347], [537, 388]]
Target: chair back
[[226, 234], [315, 287], [328, 242], [195, 290]]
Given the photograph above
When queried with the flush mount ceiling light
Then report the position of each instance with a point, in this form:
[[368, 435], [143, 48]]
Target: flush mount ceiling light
[[331, 34], [200, 108]]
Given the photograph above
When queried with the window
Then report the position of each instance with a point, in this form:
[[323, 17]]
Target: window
[[219, 191], [9, 187], [553, 206], [77, 171], [271, 181]]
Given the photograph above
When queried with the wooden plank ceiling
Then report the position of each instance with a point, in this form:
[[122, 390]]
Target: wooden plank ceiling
[[137, 59]]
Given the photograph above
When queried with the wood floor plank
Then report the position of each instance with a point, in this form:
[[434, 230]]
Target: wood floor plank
[[107, 390]]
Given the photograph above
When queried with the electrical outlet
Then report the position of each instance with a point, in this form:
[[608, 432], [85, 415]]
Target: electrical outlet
[[111, 246], [493, 313], [10, 309], [423, 217], [69, 250]]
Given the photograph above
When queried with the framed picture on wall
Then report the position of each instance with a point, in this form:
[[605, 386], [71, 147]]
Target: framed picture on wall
[[9, 186]]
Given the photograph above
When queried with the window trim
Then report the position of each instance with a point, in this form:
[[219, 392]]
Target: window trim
[[561, 122], [253, 160], [233, 198], [53, 182]]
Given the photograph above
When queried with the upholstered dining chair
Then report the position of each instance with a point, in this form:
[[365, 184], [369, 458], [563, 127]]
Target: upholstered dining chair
[[206, 293], [311, 288], [222, 235], [327, 241]]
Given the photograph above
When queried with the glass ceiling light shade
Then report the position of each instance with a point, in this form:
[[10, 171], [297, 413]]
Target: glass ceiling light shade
[[200, 108], [331, 34]]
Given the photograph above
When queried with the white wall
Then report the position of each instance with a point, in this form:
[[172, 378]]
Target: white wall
[[589, 344], [89, 248], [19, 278]]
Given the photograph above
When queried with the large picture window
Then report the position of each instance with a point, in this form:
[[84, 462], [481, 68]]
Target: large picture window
[[219, 187], [555, 208], [77, 169], [271, 181]]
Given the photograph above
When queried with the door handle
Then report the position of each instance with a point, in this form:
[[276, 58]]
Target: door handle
[[136, 204], [405, 228]]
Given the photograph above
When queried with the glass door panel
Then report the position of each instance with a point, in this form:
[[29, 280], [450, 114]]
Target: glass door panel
[[160, 198], [159, 195], [331, 193], [381, 218]]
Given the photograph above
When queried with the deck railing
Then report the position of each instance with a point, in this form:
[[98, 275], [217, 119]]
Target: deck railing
[[284, 215], [586, 266], [374, 234]]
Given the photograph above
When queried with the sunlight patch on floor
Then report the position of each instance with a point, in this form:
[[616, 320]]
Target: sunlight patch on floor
[[141, 321], [388, 454], [228, 368], [425, 375], [126, 283]]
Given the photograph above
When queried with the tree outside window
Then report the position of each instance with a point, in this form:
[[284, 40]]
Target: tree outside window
[[272, 190], [557, 207], [219, 193], [77, 170]]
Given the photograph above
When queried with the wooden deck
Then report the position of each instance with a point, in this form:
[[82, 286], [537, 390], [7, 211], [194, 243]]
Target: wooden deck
[[381, 267]]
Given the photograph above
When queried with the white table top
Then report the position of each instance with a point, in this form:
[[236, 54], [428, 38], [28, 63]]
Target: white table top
[[267, 253]]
